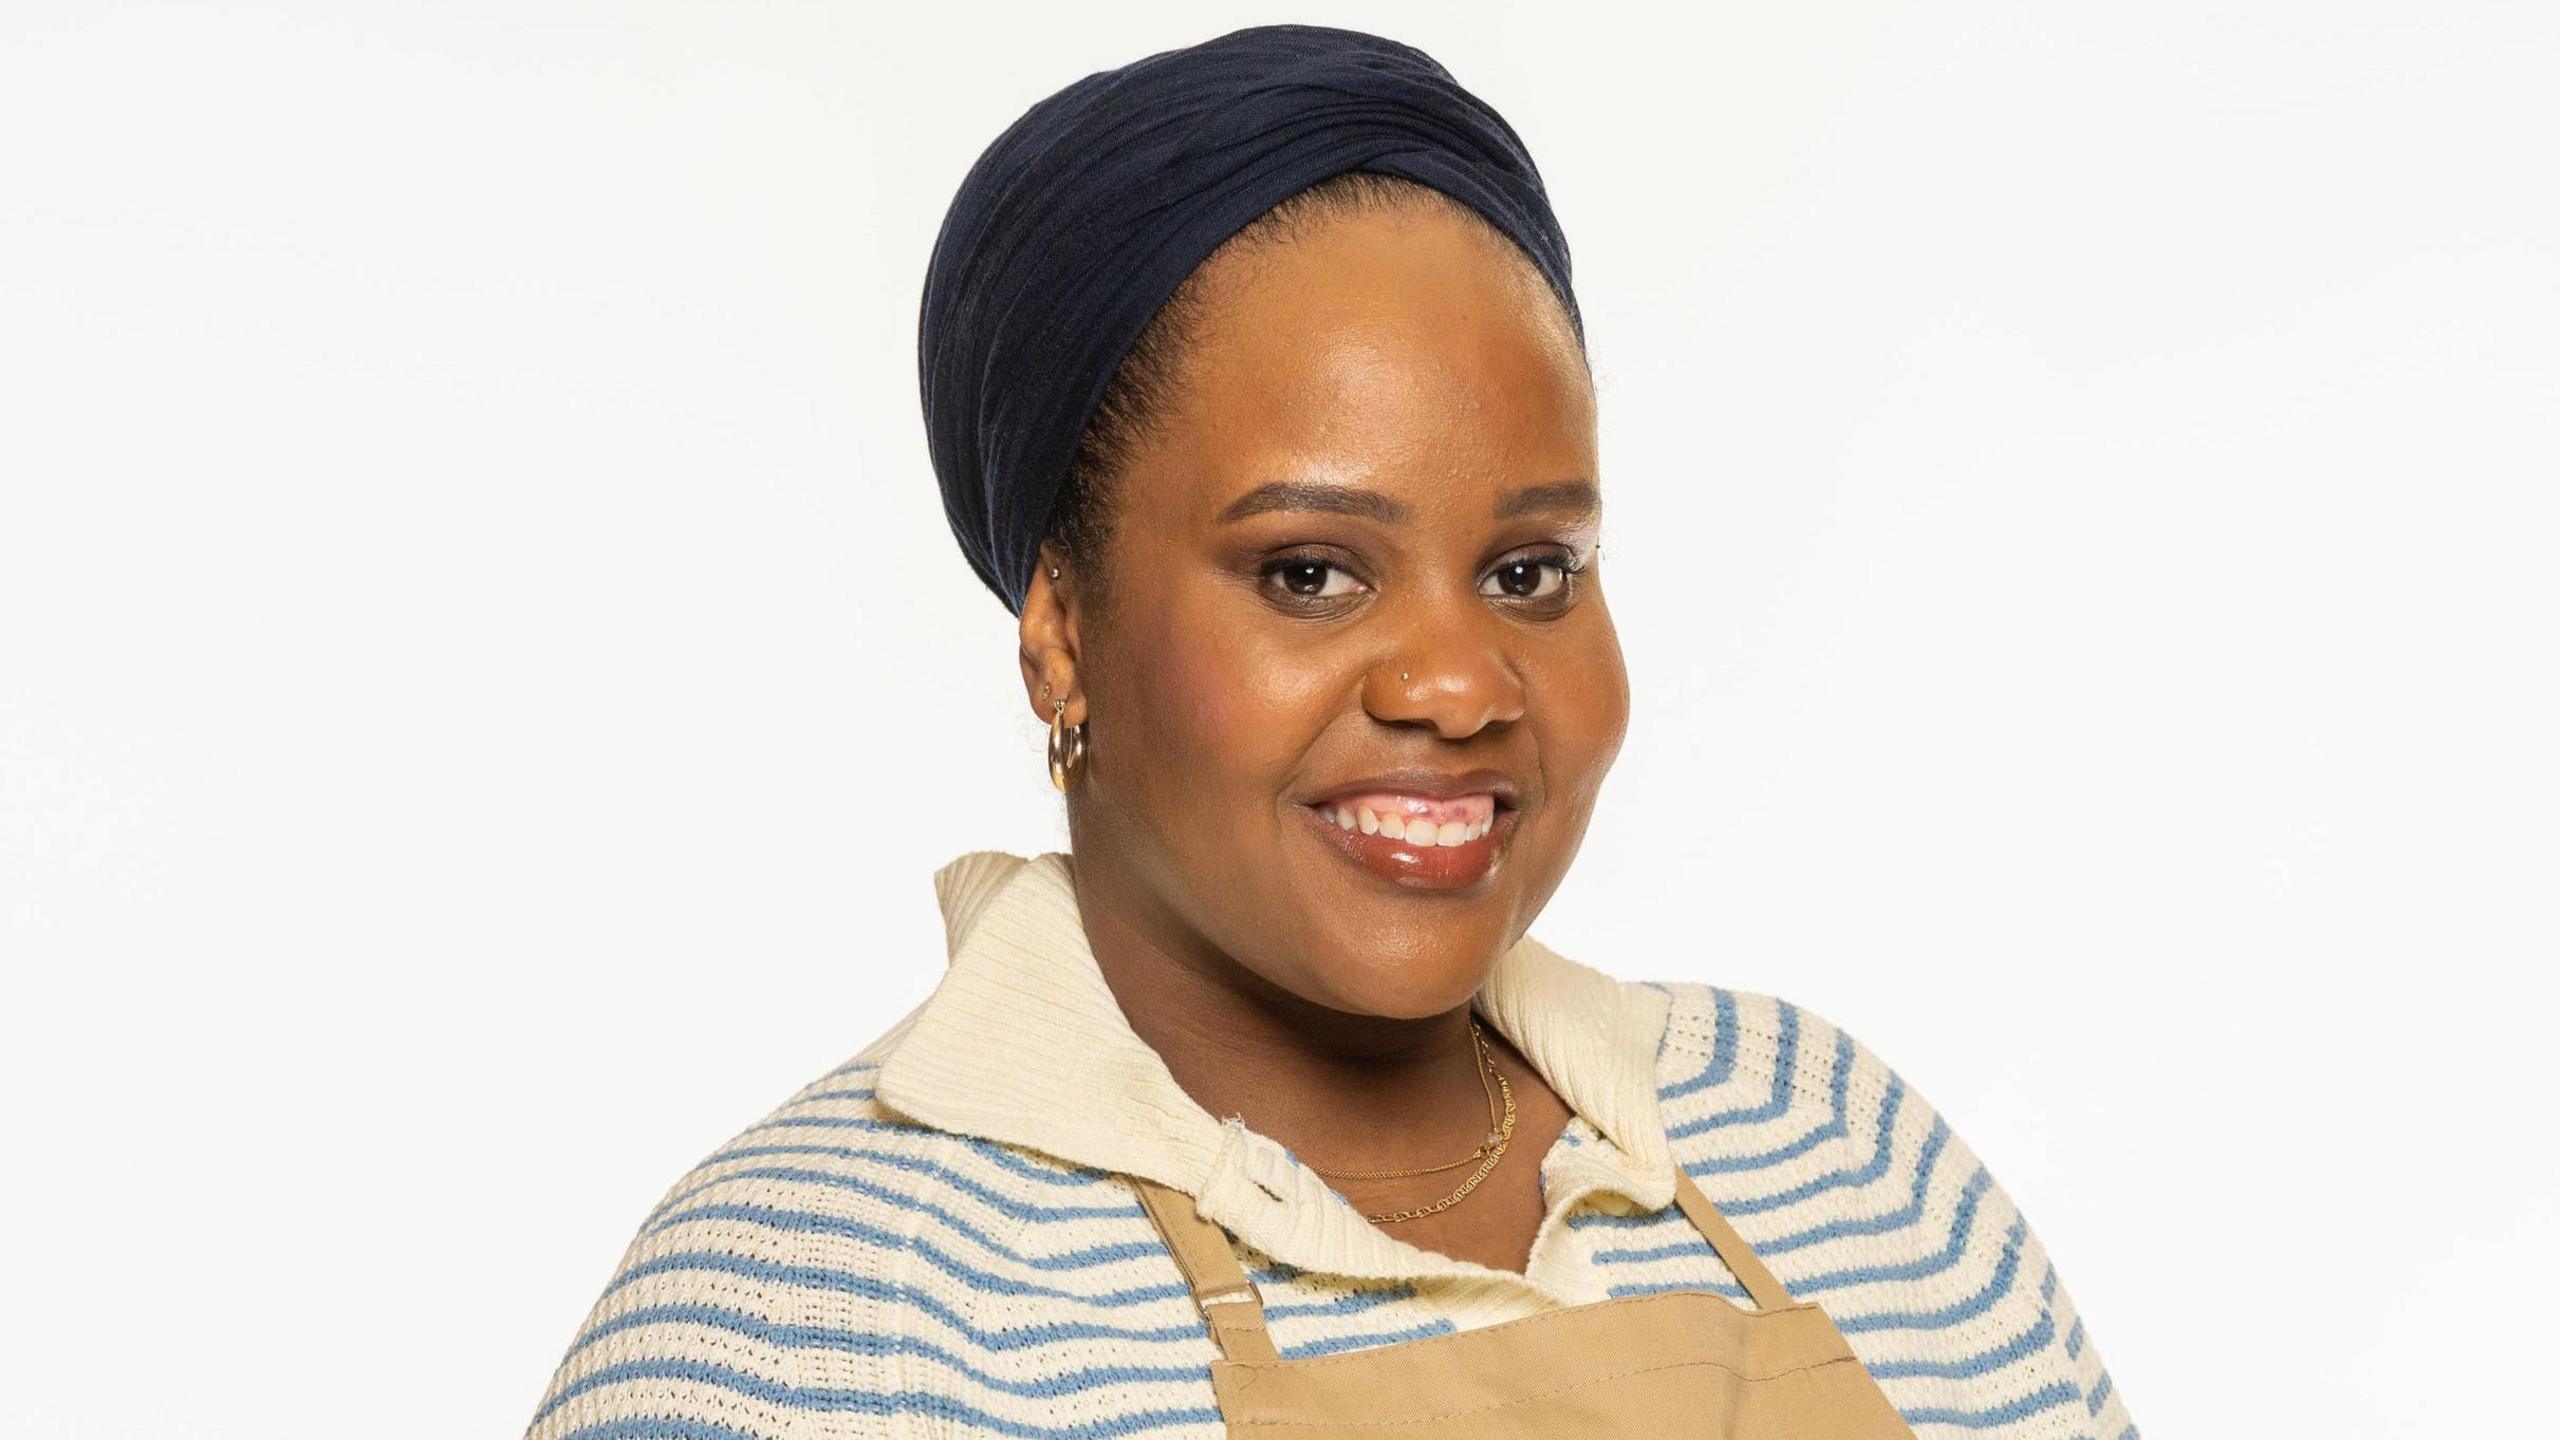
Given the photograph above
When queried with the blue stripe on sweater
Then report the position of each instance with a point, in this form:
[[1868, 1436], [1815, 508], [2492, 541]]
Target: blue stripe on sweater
[[661, 1427], [1836, 1127], [1782, 1084], [818, 1222], [806, 1337], [2033, 1403], [995, 1200], [815, 1337], [1916, 1269], [1720, 1055], [2003, 1275], [1888, 1110], [870, 1402], [1657, 1287], [1002, 1157], [1052, 1172], [1888, 1222], [923, 1247], [821, 1277], [2098, 1397], [1967, 1367]]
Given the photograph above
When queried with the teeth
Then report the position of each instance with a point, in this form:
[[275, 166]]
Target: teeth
[[1417, 832]]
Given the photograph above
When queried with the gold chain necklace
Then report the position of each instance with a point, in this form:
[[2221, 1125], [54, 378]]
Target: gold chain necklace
[[1496, 1141], [1493, 1120]]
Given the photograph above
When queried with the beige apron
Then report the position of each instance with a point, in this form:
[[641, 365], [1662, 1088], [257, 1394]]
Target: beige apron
[[1681, 1363]]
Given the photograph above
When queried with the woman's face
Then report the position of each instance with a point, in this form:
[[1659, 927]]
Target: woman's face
[[1340, 582]]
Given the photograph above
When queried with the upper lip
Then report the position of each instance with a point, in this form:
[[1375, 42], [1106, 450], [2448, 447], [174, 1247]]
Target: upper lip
[[1435, 784]]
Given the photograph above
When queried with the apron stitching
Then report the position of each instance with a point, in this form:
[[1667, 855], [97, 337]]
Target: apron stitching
[[1542, 1394]]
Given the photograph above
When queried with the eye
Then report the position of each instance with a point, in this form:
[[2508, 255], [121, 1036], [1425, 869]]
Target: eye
[[1534, 577], [1302, 578]]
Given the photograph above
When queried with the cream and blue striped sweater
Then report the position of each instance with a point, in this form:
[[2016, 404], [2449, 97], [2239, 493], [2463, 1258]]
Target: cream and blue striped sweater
[[850, 1267]]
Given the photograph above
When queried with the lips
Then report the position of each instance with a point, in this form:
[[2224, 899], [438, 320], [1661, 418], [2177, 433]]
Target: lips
[[1400, 839], [1423, 784]]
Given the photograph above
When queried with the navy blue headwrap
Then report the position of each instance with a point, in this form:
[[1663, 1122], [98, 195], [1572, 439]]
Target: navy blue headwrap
[[1084, 217]]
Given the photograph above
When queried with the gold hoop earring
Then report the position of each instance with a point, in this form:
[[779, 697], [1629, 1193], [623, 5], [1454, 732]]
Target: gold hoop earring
[[1066, 746]]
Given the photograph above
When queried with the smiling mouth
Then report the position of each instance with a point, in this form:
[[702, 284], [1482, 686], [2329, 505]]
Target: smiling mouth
[[1416, 842], [1417, 820]]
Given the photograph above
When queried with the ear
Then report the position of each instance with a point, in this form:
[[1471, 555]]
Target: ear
[[1051, 646]]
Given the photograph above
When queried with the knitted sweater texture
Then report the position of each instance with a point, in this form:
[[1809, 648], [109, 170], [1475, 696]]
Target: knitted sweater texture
[[848, 1267]]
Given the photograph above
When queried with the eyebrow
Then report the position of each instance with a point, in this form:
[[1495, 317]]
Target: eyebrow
[[1572, 496]]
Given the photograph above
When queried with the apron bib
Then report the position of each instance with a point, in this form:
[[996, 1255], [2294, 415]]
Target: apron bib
[[1681, 1363]]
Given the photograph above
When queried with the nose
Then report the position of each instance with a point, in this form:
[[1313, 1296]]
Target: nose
[[1455, 680]]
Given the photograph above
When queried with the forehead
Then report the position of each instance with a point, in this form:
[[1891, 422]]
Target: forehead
[[1409, 350]]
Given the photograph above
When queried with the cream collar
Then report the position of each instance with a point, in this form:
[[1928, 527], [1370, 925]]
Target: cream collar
[[1023, 1043]]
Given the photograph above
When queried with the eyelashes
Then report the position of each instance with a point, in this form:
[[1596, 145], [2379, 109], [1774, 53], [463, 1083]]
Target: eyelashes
[[1567, 568], [1318, 583], [1288, 567]]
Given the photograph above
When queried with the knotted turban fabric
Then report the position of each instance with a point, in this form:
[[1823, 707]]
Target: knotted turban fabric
[[1084, 216]]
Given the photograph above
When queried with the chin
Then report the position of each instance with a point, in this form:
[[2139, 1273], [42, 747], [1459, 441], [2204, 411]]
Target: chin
[[1390, 990], [1389, 956]]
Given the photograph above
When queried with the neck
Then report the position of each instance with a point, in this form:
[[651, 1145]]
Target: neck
[[1342, 1091]]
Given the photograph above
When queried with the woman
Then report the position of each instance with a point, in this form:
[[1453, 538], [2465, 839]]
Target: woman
[[1255, 382]]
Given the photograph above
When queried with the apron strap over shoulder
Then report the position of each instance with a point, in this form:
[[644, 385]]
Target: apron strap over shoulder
[[1227, 1299], [1765, 1291]]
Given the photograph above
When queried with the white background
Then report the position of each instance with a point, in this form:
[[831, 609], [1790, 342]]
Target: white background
[[485, 679]]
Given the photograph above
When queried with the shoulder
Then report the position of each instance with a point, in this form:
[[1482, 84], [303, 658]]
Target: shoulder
[[1743, 1044], [777, 1288], [1858, 1193], [1762, 1095], [1782, 1116]]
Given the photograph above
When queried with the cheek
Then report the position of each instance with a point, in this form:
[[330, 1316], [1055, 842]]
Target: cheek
[[1240, 704], [1207, 704], [1200, 701], [1587, 711]]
